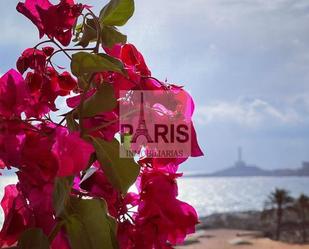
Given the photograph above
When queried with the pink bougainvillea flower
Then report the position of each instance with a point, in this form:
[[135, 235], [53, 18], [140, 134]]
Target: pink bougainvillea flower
[[98, 186], [131, 58], [73, 102], [41, 203], [45, 88], [14, 94], [134, 64], [106, 118], [34, 59], [72, 152], [61, 241], [44, 91], [34, 81], [39, 165], [17, 216], [2, 165], [125, 234], [181, 105], [166, 104], [55, 21], [31, 58], [11, 142], [109, 122], [119, 82], [30, 10], [196, 151], [48, 51], [159, 208], [39, 196], [169, 165], [44, 83], [66, 81]]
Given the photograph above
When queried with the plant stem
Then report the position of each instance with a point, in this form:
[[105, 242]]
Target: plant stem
[[71, 49], [61, 122], [62, 49], [55, 231], [81, 105], [42, 43], [111, 122]]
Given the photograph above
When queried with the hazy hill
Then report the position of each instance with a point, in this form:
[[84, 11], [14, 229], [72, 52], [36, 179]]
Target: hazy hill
[[240, 169]]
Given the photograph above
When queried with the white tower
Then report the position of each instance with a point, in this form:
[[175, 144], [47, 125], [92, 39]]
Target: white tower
[[239, 154]]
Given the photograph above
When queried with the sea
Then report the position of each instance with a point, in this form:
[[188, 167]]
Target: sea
[[223, 194], [233, 194]]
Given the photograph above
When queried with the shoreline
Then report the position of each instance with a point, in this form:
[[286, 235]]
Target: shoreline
[[231, 229], [245, 230], [242, 220], [233, 238]]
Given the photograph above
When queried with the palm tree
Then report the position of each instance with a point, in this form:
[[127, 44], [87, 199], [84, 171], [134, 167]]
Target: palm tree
[[302, 208], [279, 200]]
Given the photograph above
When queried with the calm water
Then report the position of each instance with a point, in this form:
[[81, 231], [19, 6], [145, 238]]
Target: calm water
[[210, 195]]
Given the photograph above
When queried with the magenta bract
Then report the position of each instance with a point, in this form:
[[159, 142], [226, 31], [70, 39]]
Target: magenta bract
[[70, 165]]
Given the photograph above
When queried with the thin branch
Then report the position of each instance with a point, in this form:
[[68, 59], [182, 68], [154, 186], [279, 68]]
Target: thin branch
[[81, 105], [111, 122], [55, 231], [62, 49], [61, 122], [43, 42], [71, 49]]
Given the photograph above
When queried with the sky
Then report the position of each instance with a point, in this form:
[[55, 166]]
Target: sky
[[245, 62]]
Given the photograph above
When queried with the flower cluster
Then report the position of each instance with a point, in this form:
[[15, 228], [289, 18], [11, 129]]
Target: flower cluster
[[72, 184], [55, 21]]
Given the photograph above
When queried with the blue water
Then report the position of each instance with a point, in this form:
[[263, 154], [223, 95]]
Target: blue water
[[211, 195]]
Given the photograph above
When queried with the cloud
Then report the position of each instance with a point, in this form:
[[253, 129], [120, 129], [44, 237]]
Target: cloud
[[255, 113], [220, 50]]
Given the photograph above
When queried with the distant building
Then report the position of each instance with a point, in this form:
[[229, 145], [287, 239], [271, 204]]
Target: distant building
[[239, 162], [305, 168], [306, 165]]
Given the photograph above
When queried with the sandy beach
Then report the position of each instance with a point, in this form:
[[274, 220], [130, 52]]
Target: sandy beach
[[232, 239]]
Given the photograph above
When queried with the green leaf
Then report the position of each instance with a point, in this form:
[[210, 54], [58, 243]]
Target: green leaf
[[121, 172], [77, 31], [127, 139], [90, 34], [71, 122], [114, 61], [117, 12], [79, 28], [61, 194], [86, 63], [111, 36], [102, 101], [33, 238], [89, 226]]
